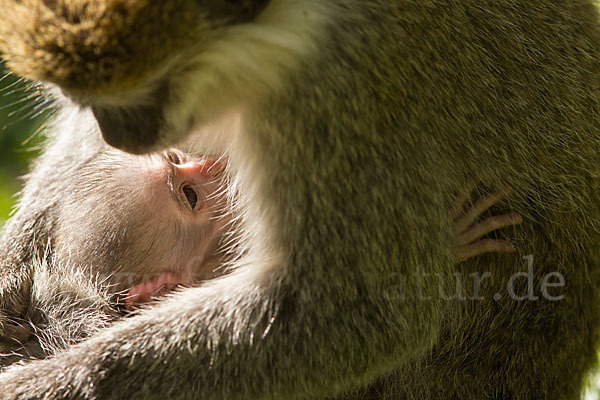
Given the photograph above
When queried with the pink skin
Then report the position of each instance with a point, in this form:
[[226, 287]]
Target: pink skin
[[191, 185], [191, 194], [469, 231], [148, 291]]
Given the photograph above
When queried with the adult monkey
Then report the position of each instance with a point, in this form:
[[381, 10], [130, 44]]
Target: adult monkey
[[357, 120]]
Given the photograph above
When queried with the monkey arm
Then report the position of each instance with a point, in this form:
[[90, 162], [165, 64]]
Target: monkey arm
[[290, 333], [25, 241], [298, 355]]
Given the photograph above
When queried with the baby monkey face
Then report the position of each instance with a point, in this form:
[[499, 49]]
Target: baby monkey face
[[132, 218], [182, 212]]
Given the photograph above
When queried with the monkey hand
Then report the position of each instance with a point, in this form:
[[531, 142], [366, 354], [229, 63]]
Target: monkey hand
[[14, 342], [14, 331], [469, 231], [13, 336]]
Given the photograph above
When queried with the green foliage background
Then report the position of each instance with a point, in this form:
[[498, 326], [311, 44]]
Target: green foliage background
[[22, 112]]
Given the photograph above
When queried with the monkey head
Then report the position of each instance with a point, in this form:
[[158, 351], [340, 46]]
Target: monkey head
[[124, 58], [129, 218]]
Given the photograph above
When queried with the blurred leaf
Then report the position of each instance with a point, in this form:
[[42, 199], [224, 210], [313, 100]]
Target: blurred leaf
[[23, 110]]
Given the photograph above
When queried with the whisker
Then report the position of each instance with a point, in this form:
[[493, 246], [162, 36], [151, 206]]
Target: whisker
[[11, 85]]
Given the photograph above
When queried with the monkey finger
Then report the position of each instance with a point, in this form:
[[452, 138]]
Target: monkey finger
[[484, 246], [458, 207], [481, 205], [476, 231], [16, 332]]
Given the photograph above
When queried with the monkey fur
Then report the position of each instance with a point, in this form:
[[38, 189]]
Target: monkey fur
[[63, 303], [101, 241], [357, 120], [97, 247]]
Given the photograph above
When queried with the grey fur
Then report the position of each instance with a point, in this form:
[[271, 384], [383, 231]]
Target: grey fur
[[348, 162], [62, 303]]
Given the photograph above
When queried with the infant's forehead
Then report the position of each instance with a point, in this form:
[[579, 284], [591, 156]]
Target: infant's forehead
[[130, 177], [113, 168], [119, 161]]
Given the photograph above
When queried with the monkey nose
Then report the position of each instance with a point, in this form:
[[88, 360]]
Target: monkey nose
[[204, 168]]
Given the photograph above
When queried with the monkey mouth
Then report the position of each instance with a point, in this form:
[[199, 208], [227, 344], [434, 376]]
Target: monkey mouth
[[147, 291]]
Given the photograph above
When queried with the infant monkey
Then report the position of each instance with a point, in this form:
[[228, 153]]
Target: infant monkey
[[147, 224], [130, 229]]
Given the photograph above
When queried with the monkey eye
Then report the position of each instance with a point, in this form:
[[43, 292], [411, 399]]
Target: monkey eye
[[175, 157], [190, 196]]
